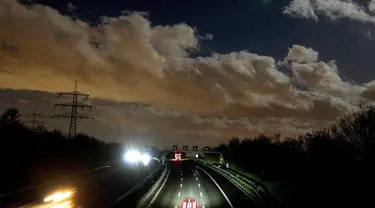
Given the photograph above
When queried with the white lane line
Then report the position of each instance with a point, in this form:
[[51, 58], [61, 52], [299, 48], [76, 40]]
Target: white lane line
[[179, 194], [221, 190], [196, 178], [182, 179], [199, 185], [176, 206], [203, 206], [181, 185], [201, 194]]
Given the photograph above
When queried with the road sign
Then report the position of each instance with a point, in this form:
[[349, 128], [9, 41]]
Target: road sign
[[195, 148], [185, 147], [175, 147]]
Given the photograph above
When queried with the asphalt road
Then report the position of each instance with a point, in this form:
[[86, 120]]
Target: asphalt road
[[100, 190], [186, 180], [208, 188]]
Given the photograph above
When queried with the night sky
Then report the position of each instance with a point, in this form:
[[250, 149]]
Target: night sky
[[258, 26], [194, 72]]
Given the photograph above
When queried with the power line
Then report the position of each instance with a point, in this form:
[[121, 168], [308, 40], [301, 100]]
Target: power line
[[74, 114], [33, 120]]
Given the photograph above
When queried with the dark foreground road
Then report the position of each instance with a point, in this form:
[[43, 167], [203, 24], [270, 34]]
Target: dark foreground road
[[209, 189], [186, 180], [101, 190]]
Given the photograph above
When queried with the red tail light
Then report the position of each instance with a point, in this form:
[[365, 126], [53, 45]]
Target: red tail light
[[184, 204], [189, 204]]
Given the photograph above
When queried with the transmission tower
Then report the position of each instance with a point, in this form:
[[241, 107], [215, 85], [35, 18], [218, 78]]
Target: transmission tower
[[33, 120], [74, 114]]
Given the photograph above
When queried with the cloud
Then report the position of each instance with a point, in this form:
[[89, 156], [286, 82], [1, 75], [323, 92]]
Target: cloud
[[143, 79], [332, 9], [301, 54]]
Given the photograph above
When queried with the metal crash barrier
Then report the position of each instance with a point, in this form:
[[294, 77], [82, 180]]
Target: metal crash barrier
[[260, 195]]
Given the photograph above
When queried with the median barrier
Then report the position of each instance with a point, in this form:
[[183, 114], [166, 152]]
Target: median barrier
[[149, 198], [142, 194]]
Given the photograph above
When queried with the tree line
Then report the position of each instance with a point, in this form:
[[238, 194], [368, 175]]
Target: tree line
[[34, 156], [328, 167]]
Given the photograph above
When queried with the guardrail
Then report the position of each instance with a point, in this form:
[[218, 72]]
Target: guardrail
[[139, 185], [131, 197], [262, 198], [148, 199], [259, 186]]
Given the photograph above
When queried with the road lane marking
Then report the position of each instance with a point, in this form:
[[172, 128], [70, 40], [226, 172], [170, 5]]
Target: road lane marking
[[201, 194], [181, 185], [196, 178], [179, 194], [221, 190], [176, 206], [199, 185], [182, 179]]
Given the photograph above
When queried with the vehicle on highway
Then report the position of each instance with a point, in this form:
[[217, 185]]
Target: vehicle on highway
[[177, 156], [135, 156], [189, 203], [59, 199]]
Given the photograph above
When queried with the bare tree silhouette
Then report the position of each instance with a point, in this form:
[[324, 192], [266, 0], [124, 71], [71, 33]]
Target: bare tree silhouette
[[32, 157], [328, 167]]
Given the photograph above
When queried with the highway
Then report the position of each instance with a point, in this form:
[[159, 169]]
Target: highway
[[209, 189], [186, 180]]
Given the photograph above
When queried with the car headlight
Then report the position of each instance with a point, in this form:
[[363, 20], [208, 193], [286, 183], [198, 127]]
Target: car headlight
[[146, 159], [58, 196], [133, 156]]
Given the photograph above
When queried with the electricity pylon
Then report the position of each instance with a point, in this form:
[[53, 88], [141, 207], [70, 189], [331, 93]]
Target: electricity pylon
[[74, 114]]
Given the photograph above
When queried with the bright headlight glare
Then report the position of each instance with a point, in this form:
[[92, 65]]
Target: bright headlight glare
[[58, 196], [146, 159], [133, 156]]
